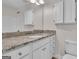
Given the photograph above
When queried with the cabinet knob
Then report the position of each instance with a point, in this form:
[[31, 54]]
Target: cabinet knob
[[20, 54]]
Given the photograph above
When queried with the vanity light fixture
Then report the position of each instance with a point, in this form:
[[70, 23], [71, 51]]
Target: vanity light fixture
[[37, 2], [33, 1]]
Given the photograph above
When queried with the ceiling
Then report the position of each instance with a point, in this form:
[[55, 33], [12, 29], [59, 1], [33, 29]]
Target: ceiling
[[24, 4]]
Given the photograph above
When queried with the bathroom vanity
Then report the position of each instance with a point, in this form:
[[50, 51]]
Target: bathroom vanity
[[36, 46]]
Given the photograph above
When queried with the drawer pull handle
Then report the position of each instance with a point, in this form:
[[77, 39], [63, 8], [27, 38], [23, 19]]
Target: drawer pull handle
[[43, 49]]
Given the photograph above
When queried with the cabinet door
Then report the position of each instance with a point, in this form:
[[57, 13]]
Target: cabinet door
[[42, 53], [20, 52], [73, 10], [28, 56], [59, 12], [69, 11], [45, 52], [52, 48]]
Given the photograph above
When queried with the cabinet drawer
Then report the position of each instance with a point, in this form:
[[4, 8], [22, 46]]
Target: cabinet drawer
[[24, 51], [20, 51], [40, 43]]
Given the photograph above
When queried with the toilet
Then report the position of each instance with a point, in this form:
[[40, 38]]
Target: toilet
[[70, 50], [67, 56]]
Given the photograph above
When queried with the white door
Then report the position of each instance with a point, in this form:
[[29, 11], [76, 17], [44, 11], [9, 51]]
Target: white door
[[59, 12], [69, 11], [45, 52], [42, 53]]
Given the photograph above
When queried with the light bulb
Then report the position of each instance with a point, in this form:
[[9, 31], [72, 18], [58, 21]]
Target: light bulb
[[37, 3], [41, 1], [32, 1]]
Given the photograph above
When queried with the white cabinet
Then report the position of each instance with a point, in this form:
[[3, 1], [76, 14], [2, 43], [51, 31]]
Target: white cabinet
[[69, 11], [37, 54], [42, 53], [58, 11], [20, 52], [28, 17], [45, 51], [40, 49], [65, 12]]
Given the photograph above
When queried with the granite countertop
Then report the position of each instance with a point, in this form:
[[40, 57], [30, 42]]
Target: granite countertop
[[13, 42]]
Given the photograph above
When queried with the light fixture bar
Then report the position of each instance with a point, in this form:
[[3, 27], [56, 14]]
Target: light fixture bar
[[37, 2]]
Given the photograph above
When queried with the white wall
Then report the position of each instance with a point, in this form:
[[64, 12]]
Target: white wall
[[11, 21]]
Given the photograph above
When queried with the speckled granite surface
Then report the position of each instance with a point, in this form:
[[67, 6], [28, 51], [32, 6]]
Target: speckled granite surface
[[10, 42], [14, 34]]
